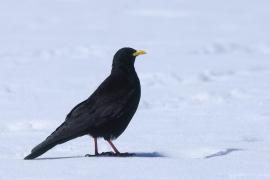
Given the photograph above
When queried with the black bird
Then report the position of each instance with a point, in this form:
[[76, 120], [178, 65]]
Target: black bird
[[107, 112]]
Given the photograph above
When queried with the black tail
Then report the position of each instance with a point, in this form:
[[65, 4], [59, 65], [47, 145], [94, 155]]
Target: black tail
[[41, 149], [61, 135], [48, 144]]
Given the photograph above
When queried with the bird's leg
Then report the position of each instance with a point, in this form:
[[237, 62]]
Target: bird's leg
[[96, 146], [96, 149], [114, 148], [117, 153]]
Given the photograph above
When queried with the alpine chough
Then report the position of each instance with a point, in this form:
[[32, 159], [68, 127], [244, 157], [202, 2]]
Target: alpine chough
[[107, 112]]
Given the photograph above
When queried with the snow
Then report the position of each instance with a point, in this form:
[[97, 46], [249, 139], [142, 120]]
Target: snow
[[205, 107]]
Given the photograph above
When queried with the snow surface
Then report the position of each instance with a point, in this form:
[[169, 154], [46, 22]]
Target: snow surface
[[205, 107]]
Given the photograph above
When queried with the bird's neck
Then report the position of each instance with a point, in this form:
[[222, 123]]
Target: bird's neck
[[124, 69]]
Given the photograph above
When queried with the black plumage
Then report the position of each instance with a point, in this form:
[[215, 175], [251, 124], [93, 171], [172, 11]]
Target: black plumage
[[107, 112]]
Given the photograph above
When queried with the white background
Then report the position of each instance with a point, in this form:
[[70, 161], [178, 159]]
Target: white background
[[205, 106]]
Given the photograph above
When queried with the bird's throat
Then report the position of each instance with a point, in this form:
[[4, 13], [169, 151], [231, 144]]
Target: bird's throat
[[125, 69]]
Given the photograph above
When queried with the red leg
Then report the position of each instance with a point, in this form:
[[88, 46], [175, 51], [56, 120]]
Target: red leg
[[96, 146], [114, 148]]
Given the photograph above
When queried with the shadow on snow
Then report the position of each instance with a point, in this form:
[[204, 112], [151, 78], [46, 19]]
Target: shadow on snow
[[134, 155], [222, 153]]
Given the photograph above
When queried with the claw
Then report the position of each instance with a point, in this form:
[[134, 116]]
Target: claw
[[111, 154]]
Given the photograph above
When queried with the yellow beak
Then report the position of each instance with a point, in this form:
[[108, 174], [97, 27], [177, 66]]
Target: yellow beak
[[139, 52]]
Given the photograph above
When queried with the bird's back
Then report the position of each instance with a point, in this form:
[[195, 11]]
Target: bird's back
[[108, 111]]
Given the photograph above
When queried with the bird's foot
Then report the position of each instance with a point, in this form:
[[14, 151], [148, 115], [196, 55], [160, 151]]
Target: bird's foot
[[111, 154], [126, 154], [100, 154]]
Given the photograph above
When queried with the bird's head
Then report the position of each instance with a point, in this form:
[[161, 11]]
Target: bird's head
[[125, 57]]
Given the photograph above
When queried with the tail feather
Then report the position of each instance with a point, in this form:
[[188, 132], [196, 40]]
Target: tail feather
[[40, 149], [48, 144], [61, 135], [51, 141]]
